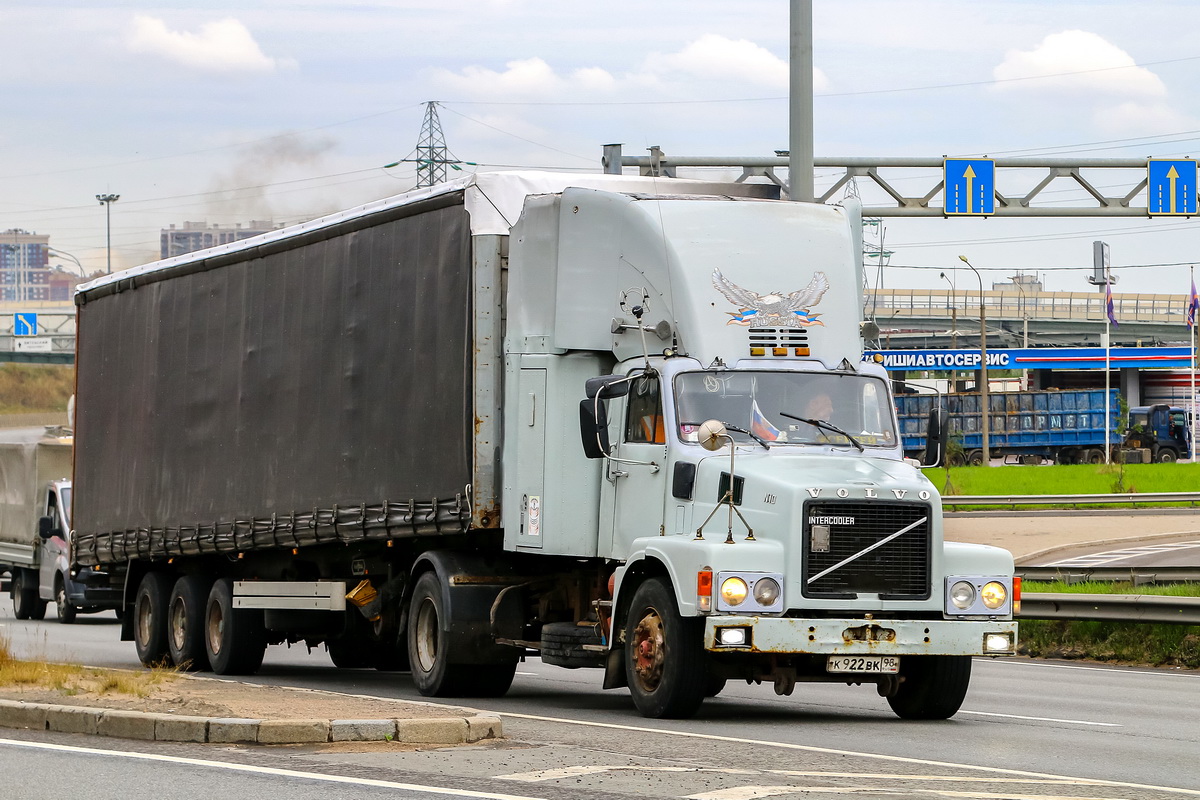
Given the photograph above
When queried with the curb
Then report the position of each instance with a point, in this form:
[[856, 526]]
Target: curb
[[221, 730]]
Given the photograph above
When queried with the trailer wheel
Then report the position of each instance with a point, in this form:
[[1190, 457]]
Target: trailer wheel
[[1095, 456], [233, 637], [150, 619], [1166, 456], [975, 458], [62, 607], [185, 622], [933, 687], [26, 604], [663, 654]]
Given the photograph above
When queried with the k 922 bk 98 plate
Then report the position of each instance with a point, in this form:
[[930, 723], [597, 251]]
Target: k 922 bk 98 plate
[[862, 664]]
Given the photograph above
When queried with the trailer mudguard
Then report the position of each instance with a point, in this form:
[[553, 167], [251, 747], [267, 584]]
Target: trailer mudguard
[[471, 584]]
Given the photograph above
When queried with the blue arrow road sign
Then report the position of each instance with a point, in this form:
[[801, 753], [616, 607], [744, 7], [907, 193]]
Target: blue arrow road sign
[[25, 325], [970, 186], [1170, 186]]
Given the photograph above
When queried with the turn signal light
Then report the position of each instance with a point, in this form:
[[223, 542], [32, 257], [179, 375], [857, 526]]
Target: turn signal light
[[1016, 602], [704, 587]]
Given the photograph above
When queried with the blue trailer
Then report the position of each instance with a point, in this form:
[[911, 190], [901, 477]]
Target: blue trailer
[[1025, 427]]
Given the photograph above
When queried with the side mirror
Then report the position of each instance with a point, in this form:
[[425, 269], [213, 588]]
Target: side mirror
[[46, 529], [606, 386], [937, 437], [593, 428], [712, 434]]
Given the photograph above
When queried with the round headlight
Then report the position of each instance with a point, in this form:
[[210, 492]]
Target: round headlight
[[766, 591], [734, 591], [994, 594], [962, 594]]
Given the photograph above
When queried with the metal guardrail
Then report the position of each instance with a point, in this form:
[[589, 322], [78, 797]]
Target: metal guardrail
[[1111, 607], [1132, 498], [1135, 575]]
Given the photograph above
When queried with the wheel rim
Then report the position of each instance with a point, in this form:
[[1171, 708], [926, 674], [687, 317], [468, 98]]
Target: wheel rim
[[143, 623], [215, 628], [60, 599], [649, 654], [427, 635], [178, 623]]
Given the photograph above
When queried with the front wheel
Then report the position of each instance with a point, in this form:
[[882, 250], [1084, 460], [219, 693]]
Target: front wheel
[[664, 662], [63, 608], [1166, 456], [933, 687]]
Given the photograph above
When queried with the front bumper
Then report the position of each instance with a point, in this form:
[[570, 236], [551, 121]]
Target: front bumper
[[91, 588], [859, 636]]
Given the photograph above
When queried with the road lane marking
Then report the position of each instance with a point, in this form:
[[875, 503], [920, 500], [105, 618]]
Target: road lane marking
[[896, 776], [1114, 670], [595, 769], [751, 792], [274, 771], [1042, 719], [807, 748]]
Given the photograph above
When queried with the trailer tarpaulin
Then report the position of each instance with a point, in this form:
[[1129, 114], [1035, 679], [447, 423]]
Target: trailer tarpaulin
[[314, 390]]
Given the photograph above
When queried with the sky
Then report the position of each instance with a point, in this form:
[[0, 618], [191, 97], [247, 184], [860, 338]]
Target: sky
[[220, 112]]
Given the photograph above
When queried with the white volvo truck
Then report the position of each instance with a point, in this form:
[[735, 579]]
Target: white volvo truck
[[621, 422]]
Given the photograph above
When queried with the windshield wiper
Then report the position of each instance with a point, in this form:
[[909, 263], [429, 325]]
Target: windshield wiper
[[821, 424], [735, 428]]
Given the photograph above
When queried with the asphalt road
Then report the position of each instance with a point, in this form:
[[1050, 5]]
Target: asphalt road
[[1029, 729]]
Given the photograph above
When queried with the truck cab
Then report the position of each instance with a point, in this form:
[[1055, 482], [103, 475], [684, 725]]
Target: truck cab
[[1161, 430]]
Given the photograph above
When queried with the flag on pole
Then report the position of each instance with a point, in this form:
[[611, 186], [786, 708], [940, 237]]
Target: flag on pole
[[1193, 305], [1108, 303]]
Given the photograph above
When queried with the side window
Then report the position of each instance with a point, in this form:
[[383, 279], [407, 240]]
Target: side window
[[644, 419]]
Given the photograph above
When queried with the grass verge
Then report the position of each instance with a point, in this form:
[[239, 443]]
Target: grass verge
[[73, 679], [1123, 642]]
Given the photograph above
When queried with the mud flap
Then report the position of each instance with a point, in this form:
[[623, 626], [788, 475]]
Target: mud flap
[[614, 669]]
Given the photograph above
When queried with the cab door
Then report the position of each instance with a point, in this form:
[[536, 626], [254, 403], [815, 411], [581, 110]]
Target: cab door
[[635, 478], [54, 555]]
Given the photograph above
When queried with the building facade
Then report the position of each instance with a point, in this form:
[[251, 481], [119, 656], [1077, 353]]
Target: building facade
[[25, 274], [194, 236]]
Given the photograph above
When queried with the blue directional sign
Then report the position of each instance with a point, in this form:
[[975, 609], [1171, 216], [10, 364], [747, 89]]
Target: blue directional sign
[[25, 325], [1170, 187], [970, 186]]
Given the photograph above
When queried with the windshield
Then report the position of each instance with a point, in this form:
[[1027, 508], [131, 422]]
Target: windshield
[[858, 405]]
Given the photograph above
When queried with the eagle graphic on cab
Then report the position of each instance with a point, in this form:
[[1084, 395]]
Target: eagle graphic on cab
[[774, 310]]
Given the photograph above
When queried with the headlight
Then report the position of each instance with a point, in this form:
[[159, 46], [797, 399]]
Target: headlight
[[734, 591], [962, 594], [994, 594], [766, 591]]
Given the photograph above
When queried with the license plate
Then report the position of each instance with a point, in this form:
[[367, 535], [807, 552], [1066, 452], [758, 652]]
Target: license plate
[[862, 664]]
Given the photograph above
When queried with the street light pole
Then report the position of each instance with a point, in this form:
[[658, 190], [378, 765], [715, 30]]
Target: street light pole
[[107, 200], [983, 365]]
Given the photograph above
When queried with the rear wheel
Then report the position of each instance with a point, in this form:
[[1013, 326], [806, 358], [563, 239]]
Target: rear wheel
[[664, 662], [933, 687], [234, 638], [150, 619], [429, 652], [63, 608], [185, 622], [975, 458], [1095, 456], [26, 604]]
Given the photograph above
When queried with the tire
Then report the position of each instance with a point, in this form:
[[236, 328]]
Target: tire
[[351, 652], [234, 638], [429, 646], [26, 604], [1095, 456], [63, 609], [956, 460], [1167, 456], [663, 654], [975, 458], [185, 622], [714, 685], [150, 619], [933, 686]]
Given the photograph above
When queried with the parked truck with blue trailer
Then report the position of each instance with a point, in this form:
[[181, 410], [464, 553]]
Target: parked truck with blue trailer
[[1064, 426], [519, 413]]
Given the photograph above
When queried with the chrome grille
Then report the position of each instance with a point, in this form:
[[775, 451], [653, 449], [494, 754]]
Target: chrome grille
[[896, 570]]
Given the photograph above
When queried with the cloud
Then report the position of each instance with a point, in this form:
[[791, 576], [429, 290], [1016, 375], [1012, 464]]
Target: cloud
[[735, 64], [713, 57], [222, 46], [1099, 68]]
